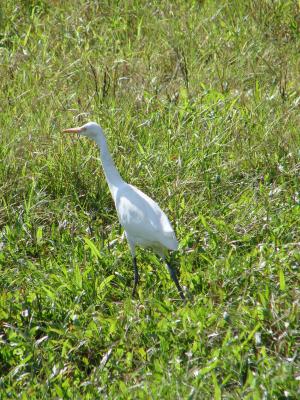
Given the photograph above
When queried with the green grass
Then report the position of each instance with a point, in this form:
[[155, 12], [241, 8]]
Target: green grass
[[200, 103]]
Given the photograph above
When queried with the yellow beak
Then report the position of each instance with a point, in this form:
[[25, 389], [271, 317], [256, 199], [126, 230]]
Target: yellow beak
[[73, 130]]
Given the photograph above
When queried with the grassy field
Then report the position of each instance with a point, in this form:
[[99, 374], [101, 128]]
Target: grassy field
[[200, 102]]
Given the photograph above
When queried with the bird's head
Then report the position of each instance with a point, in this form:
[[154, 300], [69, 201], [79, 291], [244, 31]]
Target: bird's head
[[91, 130]]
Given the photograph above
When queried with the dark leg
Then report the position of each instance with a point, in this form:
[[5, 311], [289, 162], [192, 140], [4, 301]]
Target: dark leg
[[175, 280], [136, 276]]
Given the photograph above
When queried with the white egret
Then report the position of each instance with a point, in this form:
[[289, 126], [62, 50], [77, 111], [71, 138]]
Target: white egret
[[145, 224]]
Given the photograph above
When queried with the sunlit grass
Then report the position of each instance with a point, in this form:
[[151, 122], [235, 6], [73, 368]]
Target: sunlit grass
[[200, 104]]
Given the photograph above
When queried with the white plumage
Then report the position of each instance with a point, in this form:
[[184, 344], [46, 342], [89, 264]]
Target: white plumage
[[145, 224]]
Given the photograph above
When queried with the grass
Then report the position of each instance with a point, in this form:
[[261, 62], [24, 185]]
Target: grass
[[200, 103]]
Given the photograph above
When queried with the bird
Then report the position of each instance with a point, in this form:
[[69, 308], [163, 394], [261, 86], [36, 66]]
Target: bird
[[143, 221]]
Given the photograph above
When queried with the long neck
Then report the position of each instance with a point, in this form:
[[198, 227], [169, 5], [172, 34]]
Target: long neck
[[112, 175]]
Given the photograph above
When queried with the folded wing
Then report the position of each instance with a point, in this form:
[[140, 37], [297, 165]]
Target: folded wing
[[143, 219]]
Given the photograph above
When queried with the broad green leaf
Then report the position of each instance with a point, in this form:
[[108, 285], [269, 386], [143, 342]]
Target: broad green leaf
[[217, 388], [78, 276], [209, 367], [39, 235], [105, 282], [281, 280], [94, 251]]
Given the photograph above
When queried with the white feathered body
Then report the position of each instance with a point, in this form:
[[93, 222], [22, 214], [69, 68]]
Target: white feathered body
[[145, 224]]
